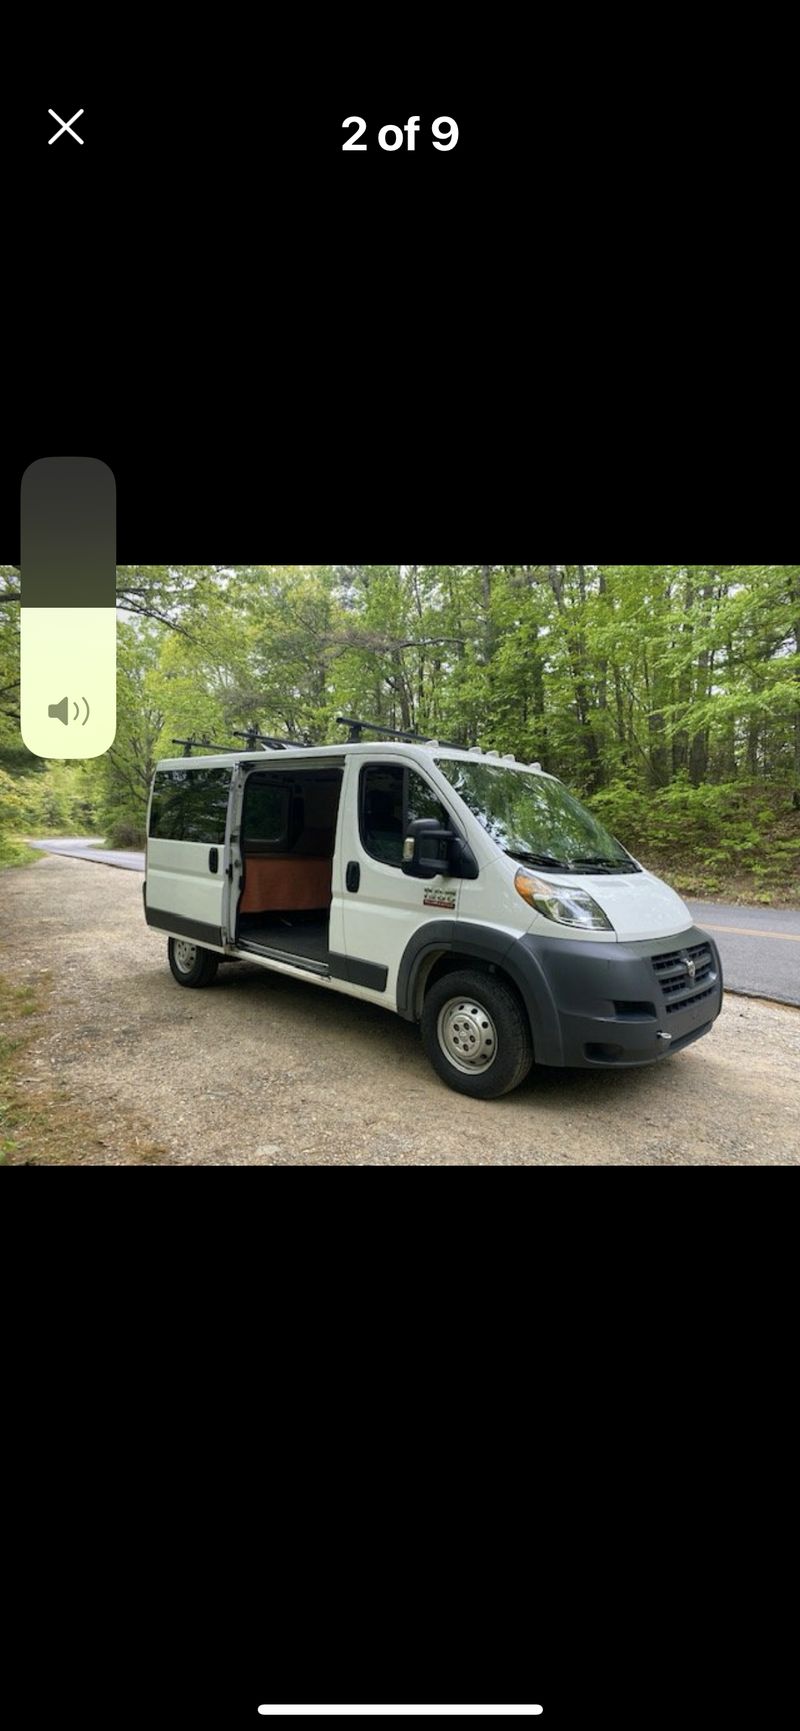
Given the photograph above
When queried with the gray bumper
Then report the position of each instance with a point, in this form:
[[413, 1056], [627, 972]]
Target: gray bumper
[[616, 1005]]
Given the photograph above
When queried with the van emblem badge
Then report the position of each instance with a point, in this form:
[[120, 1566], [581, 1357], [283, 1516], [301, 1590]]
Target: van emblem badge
[[689, 966]]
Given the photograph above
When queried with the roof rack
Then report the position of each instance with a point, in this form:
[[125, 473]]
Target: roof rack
[[357, 728], [191, 744], [269, 740], [251, 736]]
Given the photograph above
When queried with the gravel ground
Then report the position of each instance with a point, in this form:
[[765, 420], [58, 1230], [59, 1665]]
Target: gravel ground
[[262, 1070]]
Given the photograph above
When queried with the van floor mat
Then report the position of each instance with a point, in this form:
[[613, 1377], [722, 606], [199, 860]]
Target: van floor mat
[[298, 938]]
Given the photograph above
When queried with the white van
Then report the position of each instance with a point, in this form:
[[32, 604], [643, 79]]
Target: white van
[[468, 892]]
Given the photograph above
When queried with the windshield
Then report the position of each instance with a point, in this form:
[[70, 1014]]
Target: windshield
[[535, 819]]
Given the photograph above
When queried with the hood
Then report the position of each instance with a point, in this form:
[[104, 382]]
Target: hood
[[637, 904]]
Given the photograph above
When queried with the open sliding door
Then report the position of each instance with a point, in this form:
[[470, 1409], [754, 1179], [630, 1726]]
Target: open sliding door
[[188, 854]]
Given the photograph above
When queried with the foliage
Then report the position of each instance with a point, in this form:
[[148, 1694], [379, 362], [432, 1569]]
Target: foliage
[[14, 852], [703, 838], [55, 799], [667, 695], [121, 778]]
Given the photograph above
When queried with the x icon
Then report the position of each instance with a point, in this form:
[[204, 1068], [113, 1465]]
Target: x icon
[[65, 126]]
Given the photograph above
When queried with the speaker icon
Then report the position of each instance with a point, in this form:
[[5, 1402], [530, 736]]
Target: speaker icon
[[60, 711]]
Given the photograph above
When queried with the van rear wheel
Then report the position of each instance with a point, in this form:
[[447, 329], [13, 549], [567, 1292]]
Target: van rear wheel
[[476, 1034], [190, 965]]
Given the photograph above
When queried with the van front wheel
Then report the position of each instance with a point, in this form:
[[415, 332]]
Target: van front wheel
[[190, 965], [476, 1034]]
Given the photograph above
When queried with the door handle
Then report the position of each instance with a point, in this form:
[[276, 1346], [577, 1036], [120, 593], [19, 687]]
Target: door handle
[[213, 858], [352, 876]]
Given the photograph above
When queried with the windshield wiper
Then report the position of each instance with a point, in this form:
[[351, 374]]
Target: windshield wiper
[[600, 860], [542, 859]]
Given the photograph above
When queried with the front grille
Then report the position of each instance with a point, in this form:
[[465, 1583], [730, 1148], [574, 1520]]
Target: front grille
[[680, 986], [694, 999]]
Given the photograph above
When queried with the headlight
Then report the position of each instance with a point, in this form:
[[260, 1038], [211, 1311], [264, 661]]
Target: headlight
[[568, 907]]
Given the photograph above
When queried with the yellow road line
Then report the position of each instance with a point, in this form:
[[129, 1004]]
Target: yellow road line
[[752, 932]]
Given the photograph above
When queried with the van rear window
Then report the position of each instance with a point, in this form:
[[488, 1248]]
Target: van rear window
[[190, 805]]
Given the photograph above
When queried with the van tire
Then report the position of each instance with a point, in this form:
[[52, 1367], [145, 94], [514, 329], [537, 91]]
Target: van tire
[[200, 971], [464, 1017]]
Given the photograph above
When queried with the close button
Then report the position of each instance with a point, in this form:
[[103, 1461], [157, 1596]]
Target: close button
[[65, 126]]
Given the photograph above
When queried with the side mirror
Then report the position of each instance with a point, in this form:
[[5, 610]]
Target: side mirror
[[426, 849], [429, 850]]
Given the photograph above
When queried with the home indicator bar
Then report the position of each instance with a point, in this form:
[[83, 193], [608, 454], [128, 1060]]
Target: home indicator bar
[[402, 1712]]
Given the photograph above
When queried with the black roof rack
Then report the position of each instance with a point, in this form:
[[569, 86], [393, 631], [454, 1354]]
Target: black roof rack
[[287, 742], [357, 728], [252, 738], [193, 744], [273, 743]]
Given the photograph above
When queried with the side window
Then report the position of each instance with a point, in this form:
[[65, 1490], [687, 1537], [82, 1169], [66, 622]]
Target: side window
[[190, 805], [391, 798], [382, 812], [422, 802]]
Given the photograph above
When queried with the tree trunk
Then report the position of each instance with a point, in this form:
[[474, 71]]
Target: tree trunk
[[698, 748], [729, 763], [572, 638], [794, 597], [656, 745], [602, 670], [622, 737], [680, 743], [489, 641]]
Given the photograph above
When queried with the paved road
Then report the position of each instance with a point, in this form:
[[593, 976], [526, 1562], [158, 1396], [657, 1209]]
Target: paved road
[[760, 947], [78, 847]]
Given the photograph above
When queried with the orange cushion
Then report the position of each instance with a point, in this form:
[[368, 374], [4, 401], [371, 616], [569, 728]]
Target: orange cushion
[[285, 882]]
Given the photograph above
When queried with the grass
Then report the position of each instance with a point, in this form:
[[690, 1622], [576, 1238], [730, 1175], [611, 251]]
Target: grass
[[40, 1125], [697, 881], [15, 852], [733, 841]]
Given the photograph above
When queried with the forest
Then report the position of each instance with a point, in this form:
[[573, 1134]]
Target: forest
[[667, 696]]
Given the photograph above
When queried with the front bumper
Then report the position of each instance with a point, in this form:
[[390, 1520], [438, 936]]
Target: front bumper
[[616, 1005]]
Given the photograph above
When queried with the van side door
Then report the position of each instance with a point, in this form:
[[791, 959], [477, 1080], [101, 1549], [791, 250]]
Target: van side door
[[188, 853]]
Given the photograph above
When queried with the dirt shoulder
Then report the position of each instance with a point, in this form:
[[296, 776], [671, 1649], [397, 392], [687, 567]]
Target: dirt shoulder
[[262, 1070]]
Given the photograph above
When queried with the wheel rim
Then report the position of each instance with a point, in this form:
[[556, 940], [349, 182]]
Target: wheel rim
[[467, 1035], [185, 956]]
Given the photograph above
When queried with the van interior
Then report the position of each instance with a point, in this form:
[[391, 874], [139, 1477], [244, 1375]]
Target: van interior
[[288, 840]]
